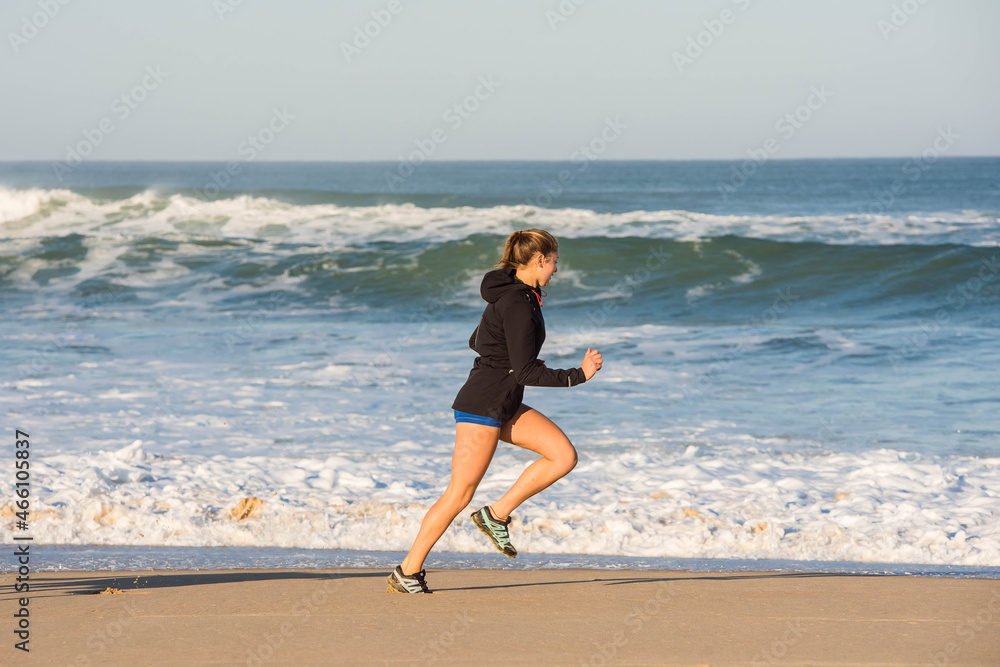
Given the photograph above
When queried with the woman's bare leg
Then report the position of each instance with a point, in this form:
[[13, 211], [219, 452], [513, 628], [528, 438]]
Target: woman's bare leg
[[534, 431], [474, 448]]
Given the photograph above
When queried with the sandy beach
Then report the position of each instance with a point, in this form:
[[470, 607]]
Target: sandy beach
[[544, 617]]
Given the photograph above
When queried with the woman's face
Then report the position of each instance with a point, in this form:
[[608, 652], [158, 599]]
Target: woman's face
[[548, 269]]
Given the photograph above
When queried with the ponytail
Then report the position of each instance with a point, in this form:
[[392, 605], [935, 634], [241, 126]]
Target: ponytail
[[521, 246]]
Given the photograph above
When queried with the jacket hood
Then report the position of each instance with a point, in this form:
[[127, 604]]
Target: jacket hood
[[499, 282]]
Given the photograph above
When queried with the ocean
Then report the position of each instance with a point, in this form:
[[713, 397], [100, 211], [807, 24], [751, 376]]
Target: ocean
[[799, 357]]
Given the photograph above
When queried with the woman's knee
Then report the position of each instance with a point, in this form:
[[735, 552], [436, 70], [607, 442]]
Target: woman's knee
[[566, 458], [458, 499]]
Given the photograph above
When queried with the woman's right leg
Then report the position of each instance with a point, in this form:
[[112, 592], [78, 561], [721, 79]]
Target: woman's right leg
[[474, 448], [534, 431]]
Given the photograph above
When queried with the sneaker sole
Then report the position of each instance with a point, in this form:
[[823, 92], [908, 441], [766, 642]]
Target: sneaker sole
[[476, 519], [392, 587]]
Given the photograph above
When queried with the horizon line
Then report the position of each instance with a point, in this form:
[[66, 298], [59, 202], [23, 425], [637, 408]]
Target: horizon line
[[468, 160]]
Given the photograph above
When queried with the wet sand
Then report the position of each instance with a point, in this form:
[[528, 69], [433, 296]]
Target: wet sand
[[545, 617]]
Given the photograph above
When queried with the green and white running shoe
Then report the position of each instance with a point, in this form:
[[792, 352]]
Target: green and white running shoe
[[407, 583], [496, 530]]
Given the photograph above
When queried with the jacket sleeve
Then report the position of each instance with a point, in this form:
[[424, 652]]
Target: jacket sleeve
[[519, 330]]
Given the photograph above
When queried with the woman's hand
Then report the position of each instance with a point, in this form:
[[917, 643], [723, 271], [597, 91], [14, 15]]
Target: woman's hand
[[592, 362]]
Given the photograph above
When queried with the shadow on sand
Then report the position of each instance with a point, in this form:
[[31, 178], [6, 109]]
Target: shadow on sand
[[52, 585], [48, 584], [617, 581]]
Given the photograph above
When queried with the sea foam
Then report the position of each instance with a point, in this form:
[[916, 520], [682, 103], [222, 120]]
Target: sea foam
[[876, 506], [37, 212]]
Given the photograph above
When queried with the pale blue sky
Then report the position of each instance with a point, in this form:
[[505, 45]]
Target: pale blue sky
[[557, 87]]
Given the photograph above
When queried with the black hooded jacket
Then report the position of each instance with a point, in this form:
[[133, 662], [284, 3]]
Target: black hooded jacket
[[509, 336]]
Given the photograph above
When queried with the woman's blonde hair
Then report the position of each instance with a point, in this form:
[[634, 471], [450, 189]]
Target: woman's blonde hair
[[523, 245]]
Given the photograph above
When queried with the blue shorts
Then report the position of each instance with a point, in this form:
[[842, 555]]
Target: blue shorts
[[476, 419]]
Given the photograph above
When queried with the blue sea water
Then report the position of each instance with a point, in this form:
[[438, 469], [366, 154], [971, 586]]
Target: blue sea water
[[799, 362]]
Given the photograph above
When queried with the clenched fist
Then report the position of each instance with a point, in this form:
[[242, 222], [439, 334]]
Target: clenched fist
[[592, 362]]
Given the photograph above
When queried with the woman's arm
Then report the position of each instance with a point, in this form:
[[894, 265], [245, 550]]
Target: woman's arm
[[519, 330]]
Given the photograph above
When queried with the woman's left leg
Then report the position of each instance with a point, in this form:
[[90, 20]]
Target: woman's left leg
[[474, 447], [532, 430]]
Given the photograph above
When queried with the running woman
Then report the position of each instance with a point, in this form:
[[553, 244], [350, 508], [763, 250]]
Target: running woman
[[488, 408]]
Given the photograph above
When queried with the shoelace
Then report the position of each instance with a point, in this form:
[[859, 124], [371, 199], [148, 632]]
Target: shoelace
[[499, 528], [419, 576]]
